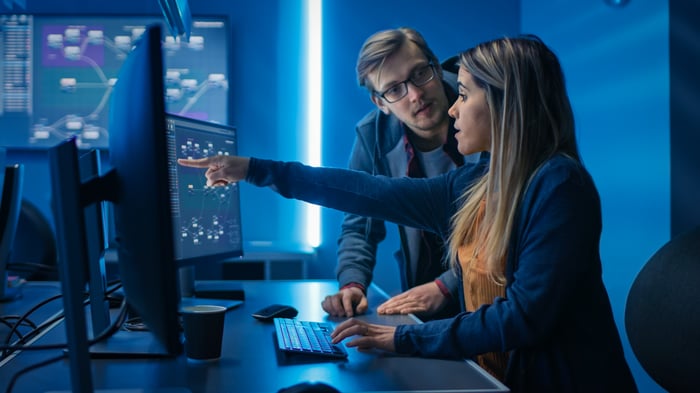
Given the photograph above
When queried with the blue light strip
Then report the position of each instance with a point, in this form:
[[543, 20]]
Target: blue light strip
[[314, 108]]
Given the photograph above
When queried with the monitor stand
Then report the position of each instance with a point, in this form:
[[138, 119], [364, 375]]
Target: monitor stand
[[219, 289], [224, 293], [127, 345]]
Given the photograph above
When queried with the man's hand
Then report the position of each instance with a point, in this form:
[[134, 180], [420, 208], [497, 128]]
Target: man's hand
[[221, 170], [345, 303], [369, 335], [423, 300]]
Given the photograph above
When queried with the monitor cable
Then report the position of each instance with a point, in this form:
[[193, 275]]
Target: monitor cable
[[8, 348], [111, 330], [5, 320]]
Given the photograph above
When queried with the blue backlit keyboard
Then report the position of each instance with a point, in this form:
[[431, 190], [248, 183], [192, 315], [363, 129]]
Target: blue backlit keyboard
[[305, 337]]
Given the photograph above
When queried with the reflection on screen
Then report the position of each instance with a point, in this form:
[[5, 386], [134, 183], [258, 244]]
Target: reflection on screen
[[58, 72]]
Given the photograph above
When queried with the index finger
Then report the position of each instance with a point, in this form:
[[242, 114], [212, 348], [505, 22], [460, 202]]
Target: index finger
[[344, 326], [345, 330], [348, 306], [194, 163]]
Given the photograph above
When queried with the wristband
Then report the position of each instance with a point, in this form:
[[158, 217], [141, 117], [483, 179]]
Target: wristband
[[443, 288], [354, 285]]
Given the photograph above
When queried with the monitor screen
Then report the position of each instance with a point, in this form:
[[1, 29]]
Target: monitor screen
[[206, 220], [58, 74], [138, 185]]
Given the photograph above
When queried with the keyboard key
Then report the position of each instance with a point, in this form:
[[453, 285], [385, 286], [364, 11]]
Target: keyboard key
[[295, 336]]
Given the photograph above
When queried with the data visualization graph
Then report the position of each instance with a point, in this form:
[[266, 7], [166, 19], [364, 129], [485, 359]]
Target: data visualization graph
[[58, 72], [206, 220]]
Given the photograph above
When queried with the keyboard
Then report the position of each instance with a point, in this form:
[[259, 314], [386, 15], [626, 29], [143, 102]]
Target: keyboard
[[305, 337]]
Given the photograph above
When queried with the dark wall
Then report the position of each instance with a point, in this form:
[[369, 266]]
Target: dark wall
[[685, 117]]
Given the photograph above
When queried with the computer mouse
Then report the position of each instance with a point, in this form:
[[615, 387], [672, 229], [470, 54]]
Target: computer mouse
[[309, 387], [273, 311]]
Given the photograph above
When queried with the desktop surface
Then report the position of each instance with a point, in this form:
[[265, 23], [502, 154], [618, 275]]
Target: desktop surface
[[251, 363], [31, 294]]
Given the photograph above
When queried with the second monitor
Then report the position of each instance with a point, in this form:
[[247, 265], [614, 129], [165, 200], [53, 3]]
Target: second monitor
[[206, 220]]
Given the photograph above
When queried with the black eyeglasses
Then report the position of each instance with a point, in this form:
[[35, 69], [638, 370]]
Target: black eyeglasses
[[419, 77]]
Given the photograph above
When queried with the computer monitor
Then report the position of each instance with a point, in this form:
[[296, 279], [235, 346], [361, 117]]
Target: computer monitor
[[206, 220], [10, 204], [137, 185], [96, 242], [58, 74]]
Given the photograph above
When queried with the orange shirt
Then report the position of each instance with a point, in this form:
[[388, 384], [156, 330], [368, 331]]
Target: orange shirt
[[479, 289]]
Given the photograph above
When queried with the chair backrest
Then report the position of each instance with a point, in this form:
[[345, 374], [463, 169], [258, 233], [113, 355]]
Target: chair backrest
[[662, 315], [35, 243]]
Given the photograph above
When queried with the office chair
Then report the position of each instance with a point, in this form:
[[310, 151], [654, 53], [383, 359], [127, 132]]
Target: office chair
[[35, 243], [662, 315]]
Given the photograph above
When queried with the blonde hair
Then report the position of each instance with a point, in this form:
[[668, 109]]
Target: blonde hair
[[381, 45], [531, 120]]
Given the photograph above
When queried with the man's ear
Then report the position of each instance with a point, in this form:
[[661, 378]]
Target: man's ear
[[380, 103]]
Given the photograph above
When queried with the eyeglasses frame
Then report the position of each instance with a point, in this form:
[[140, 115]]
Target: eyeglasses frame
[[404, 82]]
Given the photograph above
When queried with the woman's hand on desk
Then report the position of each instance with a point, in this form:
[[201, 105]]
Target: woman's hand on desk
[[221, 170], [367, 335], [423, 300]]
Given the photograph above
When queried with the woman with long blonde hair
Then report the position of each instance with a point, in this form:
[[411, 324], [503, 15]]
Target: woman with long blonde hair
[[523, 229]]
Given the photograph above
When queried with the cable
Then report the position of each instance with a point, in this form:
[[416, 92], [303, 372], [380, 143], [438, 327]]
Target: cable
[[105, 334], [29, 368], [5, 319], [26, 322], [115, 285], [8, 348], [22, 319], [108, 332]]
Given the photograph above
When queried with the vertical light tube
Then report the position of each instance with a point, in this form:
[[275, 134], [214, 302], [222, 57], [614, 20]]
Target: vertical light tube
[[314, 110]]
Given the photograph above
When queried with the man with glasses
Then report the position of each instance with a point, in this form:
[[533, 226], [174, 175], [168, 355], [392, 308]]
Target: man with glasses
[[408, 134]]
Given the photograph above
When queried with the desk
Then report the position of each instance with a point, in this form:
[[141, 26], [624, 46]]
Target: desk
[[250, 362]]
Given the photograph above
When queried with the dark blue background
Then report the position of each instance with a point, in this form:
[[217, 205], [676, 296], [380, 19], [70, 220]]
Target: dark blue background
[[632, 94]]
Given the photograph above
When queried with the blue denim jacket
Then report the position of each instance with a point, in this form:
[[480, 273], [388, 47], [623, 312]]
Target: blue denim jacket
[[555, 320]]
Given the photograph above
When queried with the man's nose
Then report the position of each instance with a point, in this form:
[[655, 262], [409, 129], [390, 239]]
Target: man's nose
[[414, 92]]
